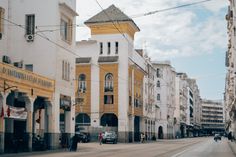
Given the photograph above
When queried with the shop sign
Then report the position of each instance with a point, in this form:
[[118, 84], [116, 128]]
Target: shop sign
[[25, 76], [65, 102], [15, 112]]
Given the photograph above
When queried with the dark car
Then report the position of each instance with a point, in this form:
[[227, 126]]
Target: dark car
[[109, 137], [83, 137], [217, 137]]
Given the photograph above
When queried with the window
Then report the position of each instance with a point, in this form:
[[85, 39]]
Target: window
[[1, 19], [117, 48], [158, 97], [65, 70], [101, 48], [130, 100], [66, 29], [108, 48], [29, 67], [108, 99], [108, 83], [82, 83], [234, 31], [158, 84], [158, 73], [30, 24]]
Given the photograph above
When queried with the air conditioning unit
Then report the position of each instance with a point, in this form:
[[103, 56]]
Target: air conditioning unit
[[29, 37], [18, 64], [6, 59]]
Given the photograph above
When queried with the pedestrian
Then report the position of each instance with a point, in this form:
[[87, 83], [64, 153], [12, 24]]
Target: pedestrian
[[230, 137], [100, 138], [73, 143], [141, 138]]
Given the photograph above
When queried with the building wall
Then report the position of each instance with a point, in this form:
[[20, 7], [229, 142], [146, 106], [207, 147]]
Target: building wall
[[167, 96], [212, 119], [109, 108], [85, 106], [230, 60], [45, 56]]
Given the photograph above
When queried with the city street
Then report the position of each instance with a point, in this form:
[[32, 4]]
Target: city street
[[193, 147]]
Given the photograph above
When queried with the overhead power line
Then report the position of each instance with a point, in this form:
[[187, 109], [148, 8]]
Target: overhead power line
[[168, 9], [42, 35]]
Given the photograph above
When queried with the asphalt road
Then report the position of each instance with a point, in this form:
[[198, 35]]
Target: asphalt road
[[192, 147], [209, 148]]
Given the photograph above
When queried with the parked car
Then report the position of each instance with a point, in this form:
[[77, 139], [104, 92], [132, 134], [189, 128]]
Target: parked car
[[83, 137], [110, 136], [217, 137]]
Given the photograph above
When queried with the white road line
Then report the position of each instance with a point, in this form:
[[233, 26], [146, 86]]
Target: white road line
[[188, 149]]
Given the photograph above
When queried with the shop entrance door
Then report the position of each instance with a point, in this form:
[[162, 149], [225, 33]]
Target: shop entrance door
[[20, 135]]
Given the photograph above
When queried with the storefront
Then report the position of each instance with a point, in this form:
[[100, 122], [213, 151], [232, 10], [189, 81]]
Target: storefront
[[65, 108], [26, 107]]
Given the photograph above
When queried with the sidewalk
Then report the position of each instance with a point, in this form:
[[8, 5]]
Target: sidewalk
[[232, 145], [22, 154]]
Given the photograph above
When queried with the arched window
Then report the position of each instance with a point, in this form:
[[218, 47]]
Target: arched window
[[158, 97], [108, 83], [82, 83], [158, 84]]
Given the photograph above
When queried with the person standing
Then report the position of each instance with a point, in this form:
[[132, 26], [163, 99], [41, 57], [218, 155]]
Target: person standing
[[73, 143], [100, 138]]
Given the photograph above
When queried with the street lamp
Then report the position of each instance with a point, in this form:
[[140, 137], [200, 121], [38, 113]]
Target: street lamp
[[5, 86]]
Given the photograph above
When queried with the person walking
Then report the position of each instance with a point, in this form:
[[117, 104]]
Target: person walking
[[141, 138], [100, 138], [74, 143]]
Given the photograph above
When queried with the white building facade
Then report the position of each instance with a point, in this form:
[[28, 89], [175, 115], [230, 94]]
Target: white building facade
[[165, 96], [40, 38], [213, 117], [230, 86]]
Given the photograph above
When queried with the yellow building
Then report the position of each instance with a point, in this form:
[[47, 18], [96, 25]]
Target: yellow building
[[109, 84]]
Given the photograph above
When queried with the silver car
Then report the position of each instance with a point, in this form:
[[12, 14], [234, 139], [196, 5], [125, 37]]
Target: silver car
[[109, 136]]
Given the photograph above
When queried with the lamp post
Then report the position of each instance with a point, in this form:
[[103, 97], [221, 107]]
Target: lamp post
[[5, 86]]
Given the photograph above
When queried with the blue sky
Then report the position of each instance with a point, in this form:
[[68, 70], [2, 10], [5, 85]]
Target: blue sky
[[194, 39]]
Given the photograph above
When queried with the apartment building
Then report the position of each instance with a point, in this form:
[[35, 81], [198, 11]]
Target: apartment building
[[37, 72], [213, 117], [229, 95]]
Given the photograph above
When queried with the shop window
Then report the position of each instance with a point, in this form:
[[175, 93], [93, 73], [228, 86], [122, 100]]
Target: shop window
[[108, 83], [108, 99]]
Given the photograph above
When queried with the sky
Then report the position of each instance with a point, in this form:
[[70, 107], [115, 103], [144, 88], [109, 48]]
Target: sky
[[193, 38]]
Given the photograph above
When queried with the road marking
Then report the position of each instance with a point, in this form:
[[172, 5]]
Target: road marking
[[188, 149]]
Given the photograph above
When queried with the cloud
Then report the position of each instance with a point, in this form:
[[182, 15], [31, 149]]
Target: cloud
[[185, 32]]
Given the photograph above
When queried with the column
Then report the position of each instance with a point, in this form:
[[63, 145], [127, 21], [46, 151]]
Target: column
[[3, 100], [29, 122], [132, 116]]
